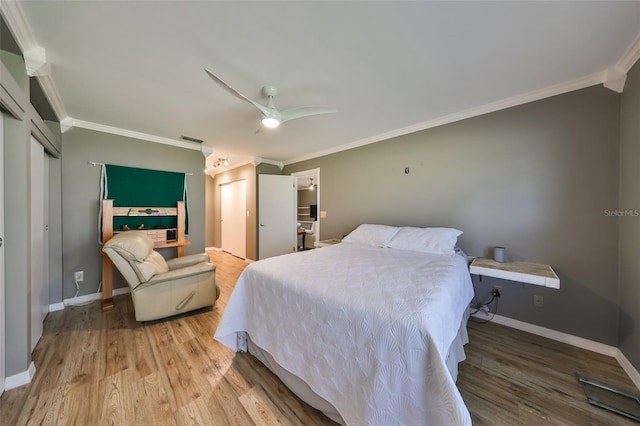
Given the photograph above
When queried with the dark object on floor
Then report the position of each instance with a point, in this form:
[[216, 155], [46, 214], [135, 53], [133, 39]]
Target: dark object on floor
[[611, 397]]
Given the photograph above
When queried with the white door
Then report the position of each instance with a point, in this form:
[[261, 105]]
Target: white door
[[233, 212], [39, 256], [2, 332], [277, 205]]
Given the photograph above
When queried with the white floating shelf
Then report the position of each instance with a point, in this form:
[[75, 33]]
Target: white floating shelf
[[524, 272]]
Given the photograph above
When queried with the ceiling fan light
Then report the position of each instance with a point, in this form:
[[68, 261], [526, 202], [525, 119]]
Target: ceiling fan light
[[270, 122]]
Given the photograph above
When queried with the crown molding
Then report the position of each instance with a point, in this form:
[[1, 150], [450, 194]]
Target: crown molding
[[616, 76], [213, 172], [14, 16], [536, 95], [34, 55], [615, 79], [72, 122], [259, 160], [254, 161], [53, 96], [206, 150], [35, 60], [630, 57]]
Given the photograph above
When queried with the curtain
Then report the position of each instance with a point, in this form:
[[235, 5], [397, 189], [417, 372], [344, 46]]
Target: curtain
[[134, 187]]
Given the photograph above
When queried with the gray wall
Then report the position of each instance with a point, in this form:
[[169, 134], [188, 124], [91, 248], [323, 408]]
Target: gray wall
[[535, 178], [81, 191], [630, 225]]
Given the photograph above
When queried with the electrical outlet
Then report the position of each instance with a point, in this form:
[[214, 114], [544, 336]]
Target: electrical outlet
[[496, 291], [78, 276], [538, 300]]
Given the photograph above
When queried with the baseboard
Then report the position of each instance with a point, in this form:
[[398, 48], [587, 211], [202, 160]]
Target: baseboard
[[220, 249], [631, 371], [88, 298], [20, 379], [559, 336], [572, 340], [56, 307]]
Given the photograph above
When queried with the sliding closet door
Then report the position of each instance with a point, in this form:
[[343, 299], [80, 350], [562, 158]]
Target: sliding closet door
[[233, 212], [39, 288]]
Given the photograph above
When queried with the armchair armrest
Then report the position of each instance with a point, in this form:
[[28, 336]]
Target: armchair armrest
[[176, 274], [181, 262]]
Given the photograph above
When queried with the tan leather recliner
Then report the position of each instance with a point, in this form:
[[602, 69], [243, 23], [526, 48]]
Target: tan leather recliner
[[161, 288]]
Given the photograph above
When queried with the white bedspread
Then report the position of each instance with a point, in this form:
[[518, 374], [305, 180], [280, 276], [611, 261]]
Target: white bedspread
[[367, 328]]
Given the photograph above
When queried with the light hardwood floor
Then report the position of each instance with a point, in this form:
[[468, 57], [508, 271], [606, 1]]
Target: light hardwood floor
[[98, 368]]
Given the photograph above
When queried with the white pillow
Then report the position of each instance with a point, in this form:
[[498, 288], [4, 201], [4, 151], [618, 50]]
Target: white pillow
[[427, 240], [372, 235]]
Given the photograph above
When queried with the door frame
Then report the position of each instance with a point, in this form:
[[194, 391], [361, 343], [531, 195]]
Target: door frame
[[316, 178]]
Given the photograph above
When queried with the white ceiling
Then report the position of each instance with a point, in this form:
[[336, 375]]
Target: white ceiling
[[388, 67]]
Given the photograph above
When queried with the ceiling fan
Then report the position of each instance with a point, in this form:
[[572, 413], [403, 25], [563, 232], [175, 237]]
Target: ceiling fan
[[271, 116]]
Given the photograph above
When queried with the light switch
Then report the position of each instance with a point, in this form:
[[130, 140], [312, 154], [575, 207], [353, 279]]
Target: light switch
[[323, 214]]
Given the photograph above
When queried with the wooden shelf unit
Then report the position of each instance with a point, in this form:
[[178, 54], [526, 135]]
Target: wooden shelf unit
[[109, 212]]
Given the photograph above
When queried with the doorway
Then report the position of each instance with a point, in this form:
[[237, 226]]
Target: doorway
[[233, 216], [308, 208]]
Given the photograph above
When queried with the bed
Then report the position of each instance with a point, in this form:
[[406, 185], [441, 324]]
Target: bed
[[369, 331]]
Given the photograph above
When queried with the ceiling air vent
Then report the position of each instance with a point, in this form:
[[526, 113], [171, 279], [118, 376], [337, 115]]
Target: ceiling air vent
[[190, 139]]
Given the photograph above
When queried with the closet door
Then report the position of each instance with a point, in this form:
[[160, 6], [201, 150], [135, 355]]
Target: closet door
[[39, 288], [233, 212]]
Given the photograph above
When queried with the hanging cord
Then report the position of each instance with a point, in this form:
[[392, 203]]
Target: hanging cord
[[69, 304], [104, 193], [480, 321], [185, 199], [475, 304]]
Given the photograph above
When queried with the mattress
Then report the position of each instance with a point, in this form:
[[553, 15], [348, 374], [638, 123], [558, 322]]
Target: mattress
[[369, 330]]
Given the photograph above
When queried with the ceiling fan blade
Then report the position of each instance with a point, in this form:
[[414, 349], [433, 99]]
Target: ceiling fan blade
[[264, 109], [293, 113]]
